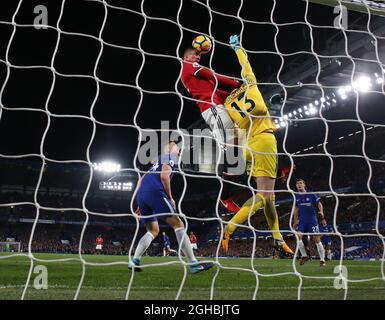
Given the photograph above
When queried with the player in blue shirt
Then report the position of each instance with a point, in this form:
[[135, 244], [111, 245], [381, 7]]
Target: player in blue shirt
[[155, 199], [167, 245], [305, 220], [326, 239]]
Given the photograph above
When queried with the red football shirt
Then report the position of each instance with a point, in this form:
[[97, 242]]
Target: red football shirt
[[193, 238], [99, 240], [200, 82]]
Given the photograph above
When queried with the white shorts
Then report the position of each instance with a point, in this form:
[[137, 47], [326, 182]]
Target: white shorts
[[220, 123], [99, 247], [194, 246]]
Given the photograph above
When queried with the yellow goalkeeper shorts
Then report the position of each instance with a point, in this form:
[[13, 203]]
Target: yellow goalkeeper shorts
[[264, 151]]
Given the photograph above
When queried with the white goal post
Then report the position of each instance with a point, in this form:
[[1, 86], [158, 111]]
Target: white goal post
[[375, 7], [10, 246]]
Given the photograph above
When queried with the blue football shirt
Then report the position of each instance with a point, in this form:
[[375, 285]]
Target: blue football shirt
[[151, 181], [326, 229], [307, 204]]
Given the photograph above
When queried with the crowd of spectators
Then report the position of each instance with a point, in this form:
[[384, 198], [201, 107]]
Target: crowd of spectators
[[118, 240], [118, 232], [65, 238], [364, 248]]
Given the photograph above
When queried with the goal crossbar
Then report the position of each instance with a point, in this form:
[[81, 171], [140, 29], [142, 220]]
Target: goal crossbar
[[375, 7]]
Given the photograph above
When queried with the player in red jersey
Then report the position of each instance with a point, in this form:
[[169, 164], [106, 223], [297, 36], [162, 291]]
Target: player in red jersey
[[210, 90], [193, 240], [99, 244], [206, 86]]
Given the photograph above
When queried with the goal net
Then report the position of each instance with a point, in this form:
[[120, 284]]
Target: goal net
[[91, 90]]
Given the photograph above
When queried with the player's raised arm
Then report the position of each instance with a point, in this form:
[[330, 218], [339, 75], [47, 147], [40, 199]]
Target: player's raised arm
[[227, 82], [259, 106], [247, 71], [207, 74]]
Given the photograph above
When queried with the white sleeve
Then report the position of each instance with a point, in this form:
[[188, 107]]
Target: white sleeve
[[199, 68]]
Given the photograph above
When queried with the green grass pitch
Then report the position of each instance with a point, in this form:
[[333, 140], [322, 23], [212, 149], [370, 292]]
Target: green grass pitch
[[163, 281]]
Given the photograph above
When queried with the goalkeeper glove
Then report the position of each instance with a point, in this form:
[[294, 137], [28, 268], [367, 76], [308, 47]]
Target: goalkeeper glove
[[234, 42]]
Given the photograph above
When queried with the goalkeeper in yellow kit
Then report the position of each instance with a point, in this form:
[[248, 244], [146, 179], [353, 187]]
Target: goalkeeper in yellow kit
[[248, 111]]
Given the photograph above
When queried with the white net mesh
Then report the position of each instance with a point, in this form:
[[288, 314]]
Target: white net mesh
[[324, 76]]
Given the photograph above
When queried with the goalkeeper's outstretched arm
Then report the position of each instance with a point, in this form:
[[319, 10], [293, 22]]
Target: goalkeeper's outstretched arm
[[248, 75], [247, 71]]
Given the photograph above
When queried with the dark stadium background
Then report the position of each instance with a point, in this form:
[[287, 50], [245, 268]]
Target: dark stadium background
[[77, 55], [67, 138]]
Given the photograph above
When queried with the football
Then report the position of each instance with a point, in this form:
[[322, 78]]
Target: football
[[202, 44]]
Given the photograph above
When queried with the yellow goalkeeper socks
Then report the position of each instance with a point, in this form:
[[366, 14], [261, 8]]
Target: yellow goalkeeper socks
[[272, 219], [247, 209]]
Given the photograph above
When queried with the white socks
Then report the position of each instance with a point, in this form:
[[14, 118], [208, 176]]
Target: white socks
[[302, 248], [321, 251], [143, 245], [329, 254], [185, 244]]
